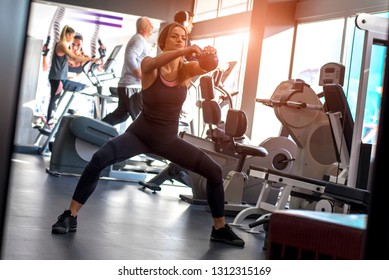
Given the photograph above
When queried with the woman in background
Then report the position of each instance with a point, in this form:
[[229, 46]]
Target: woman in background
[[60, 66]]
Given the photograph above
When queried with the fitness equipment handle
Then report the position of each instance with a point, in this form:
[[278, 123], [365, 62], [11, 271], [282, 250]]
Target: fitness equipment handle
[[297, 104]]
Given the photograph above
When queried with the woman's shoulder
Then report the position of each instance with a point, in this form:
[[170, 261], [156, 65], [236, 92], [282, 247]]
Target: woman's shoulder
[[61, 47], [61, 44]]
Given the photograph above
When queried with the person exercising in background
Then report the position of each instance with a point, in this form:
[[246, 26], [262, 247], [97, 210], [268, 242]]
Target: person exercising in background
[[75, 67], [165, 80], [130, 80], [186, 19], [60, 66]]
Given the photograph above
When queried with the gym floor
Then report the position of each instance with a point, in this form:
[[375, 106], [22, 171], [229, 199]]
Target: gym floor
[[119, 222]]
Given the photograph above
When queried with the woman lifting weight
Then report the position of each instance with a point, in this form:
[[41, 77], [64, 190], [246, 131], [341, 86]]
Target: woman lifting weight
[[165, 79]]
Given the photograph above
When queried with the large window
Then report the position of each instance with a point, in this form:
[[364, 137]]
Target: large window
[[274, 68], [321, 42], [374, 92], [229, 7], [212, 9], [316, 44], [353, 61], [232, 48], [206, 10], [232, 56]]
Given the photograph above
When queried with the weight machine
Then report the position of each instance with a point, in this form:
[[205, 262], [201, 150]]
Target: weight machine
[[354, 195], [323, 137]]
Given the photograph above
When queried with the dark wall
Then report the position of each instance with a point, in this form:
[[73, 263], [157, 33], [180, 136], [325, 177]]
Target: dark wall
[[377, 238], [13, 28]]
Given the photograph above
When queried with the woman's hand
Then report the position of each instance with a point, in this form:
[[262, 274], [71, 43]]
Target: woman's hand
[[209, 50], [208, 59], [196, 51], [193, 50], [95, 60]]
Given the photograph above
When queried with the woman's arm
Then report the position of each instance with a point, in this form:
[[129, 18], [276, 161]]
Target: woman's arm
[[149, 64], [45, 63], [62, 48], [194, 67]]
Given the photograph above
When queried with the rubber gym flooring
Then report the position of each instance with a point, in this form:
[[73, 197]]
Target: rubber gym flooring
[[119, 222]]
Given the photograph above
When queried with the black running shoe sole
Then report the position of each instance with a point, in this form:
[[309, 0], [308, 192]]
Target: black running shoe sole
[[61, 230], [235, 243]]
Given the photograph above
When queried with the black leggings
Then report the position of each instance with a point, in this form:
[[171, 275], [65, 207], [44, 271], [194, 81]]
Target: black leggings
[[140, 139], [125, 108], [54, 84]]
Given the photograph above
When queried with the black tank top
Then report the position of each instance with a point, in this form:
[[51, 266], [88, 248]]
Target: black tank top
[[59, 66], [162, 103], [76, 69]]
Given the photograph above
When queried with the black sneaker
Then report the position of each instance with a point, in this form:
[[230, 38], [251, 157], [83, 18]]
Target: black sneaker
[[66, 223], [226, 235]]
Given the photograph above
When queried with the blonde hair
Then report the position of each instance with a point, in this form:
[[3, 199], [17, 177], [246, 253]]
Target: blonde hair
[[182, 76], [66, 30]]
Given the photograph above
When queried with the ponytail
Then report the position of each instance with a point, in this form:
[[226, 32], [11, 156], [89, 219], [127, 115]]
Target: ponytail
[[66, 30]]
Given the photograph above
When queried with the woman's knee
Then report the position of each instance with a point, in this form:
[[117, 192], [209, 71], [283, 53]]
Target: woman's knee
[[218, 170], [99, 160], [215, 173]]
